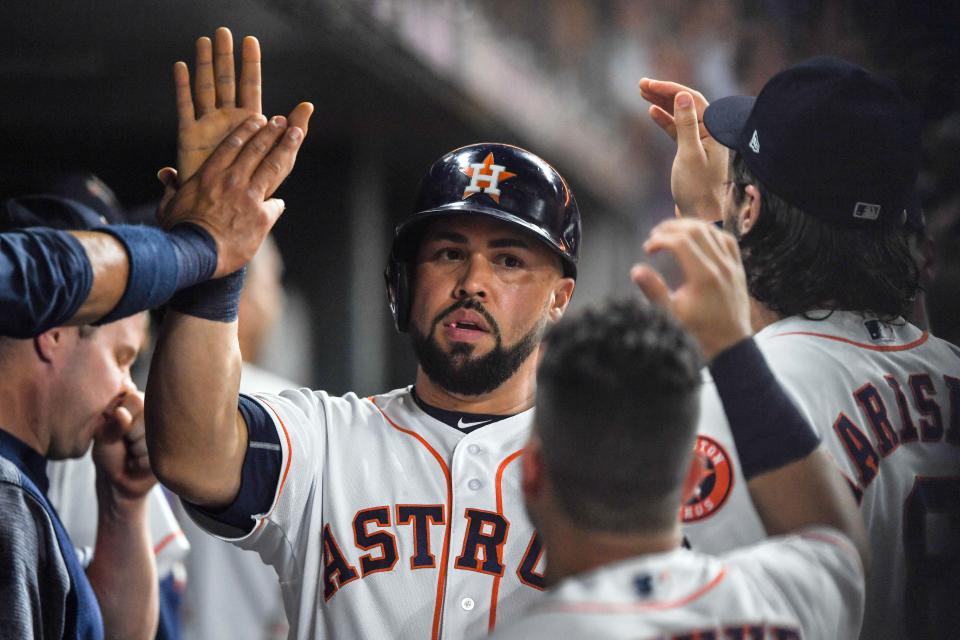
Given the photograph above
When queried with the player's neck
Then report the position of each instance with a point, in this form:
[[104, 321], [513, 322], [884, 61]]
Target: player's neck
[[21, 413], [761, 315], [513, 396], [572, 551]]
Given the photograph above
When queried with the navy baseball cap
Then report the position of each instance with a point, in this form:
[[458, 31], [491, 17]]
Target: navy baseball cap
[[49, 211], [829, 137]]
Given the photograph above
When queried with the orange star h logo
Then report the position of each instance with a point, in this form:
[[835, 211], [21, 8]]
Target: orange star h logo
[[488, 174]]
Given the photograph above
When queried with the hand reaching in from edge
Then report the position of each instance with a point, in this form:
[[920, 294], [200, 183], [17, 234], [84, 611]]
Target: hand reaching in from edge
[[700, 167], [712, 303]]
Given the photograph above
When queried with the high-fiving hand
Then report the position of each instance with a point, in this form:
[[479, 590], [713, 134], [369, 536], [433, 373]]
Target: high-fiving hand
[[230, 159], [700, 166]]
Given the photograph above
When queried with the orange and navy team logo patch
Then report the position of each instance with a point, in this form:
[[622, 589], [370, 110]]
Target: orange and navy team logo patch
[[716, 481], [485, 177]]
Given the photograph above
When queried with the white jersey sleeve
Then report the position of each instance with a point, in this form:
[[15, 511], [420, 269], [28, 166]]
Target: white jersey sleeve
[[816, 576]]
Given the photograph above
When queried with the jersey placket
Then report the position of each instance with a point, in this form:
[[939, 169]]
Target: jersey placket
[[479, 529], [473, 522]]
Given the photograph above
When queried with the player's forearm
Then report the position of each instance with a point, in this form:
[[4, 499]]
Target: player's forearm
[[809, 492], [123, 571], [108, 259], [194, 434]]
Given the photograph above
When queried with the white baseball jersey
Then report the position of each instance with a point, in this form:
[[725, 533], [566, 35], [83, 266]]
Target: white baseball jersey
[[803, 586], [885, 398], [388, 523]]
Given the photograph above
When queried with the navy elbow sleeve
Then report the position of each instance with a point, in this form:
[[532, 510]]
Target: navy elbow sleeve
[[260, 474], [44, 278]]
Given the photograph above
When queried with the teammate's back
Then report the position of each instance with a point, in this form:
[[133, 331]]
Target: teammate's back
[[886, 400], [772, 590]]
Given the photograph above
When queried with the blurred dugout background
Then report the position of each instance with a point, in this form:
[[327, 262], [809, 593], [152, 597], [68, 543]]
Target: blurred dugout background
[[86, 86]]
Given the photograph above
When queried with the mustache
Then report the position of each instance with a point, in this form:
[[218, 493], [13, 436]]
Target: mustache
[[470, 304]]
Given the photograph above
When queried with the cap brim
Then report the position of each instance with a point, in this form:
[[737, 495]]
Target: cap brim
[[726, 118]]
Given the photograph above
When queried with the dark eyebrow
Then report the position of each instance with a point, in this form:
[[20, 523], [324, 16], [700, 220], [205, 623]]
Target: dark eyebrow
[[502, 243]]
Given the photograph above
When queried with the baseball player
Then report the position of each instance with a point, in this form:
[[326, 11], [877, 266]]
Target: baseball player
[[610, 462], [396, 515], [821, 167]]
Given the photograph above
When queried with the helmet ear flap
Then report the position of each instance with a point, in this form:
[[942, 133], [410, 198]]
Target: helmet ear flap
[[397, 276]]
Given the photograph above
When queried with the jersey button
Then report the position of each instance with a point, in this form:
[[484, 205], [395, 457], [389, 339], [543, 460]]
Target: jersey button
[[475, 484], [474, 449], [467, 604]]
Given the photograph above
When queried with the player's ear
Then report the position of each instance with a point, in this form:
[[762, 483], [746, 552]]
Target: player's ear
[[692, 479], [749, 208], [560, 298], [51, 344]]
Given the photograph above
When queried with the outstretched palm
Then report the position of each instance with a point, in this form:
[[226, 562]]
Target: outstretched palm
[[207, 120]]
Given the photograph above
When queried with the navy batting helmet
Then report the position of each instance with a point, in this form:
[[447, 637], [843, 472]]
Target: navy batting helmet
[[497, 180]]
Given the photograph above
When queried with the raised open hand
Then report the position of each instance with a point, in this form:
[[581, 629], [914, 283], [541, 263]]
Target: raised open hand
[[204, 121], [230, 195], [700, 166]]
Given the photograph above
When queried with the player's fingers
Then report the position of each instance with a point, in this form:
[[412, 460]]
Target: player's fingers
[[654, 92], [167, 177], [257, 149], [136, 440], [203, 85], [676, 239], [223, 67], [228, 150], [708, 239], [277, 166], [274, 208], [181, 83], [664, 120], [250, 80], [688, 129], [651, 283], [139, 464], [667, 91], [300, 116]]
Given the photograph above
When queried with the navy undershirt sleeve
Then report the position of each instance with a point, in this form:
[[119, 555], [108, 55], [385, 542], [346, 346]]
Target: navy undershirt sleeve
[[766, 425], [259, 477], [44, 278]]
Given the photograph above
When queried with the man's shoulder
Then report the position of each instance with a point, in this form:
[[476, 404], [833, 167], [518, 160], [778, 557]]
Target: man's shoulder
[[9, 473], [310, 402], [25, 517]]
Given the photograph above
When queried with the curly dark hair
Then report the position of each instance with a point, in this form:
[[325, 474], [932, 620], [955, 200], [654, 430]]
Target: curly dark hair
[[617, 408], [796, 262]]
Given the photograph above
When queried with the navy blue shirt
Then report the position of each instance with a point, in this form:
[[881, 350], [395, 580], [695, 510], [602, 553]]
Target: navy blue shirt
[[78, 613], [45, 276]]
